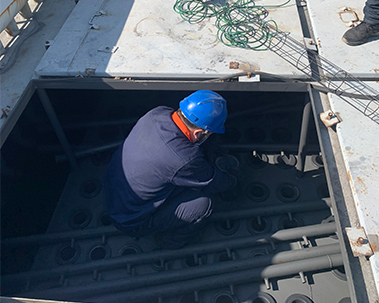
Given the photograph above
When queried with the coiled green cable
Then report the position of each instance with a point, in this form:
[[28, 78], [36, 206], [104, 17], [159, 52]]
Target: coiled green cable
[[241, 24]]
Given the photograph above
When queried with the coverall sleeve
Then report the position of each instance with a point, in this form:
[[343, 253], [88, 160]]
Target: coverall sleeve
[[200, 175]]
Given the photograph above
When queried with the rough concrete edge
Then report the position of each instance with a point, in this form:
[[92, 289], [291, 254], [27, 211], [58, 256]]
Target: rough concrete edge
[[359, 272]]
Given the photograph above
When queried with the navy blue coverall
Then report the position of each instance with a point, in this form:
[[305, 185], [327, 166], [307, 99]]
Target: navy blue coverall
[[371, 12], [159, 181]]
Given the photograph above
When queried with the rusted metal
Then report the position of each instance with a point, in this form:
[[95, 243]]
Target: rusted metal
[[359, 243], [10, 11], [330, 118]]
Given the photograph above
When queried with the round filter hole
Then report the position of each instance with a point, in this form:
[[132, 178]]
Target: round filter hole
[[105, 220], [80, 219], [67, 254], [281, 135], [298, 298], [99, 252], [258, 225], [340, 273], [191, 261], [255, 135], [222, 257], [317, 160], [257, 160], [129, 250], [223, 298], [90, 188], [345, 300], [227, 227], [257, 253], [262, 297], [287, 223], [257, 192], [287, 192], [285, 162], [227, 162]]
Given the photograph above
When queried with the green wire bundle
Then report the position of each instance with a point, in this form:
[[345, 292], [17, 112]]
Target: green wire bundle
[[241, 24]]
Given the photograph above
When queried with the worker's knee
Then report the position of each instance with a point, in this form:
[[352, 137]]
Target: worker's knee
[[195, 210]]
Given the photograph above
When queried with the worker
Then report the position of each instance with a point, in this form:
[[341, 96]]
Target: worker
[[159, 181], [369, 27]]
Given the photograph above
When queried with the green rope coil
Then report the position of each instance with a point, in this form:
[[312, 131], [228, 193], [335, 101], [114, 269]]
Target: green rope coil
[[241, 24]]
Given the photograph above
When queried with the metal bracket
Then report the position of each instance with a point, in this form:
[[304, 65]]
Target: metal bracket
[[98, 14], [330, 118], [310, 44], [359, 243], [107, 49]]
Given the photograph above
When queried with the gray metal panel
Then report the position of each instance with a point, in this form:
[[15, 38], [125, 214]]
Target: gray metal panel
[[149, 39], [358, 136], [327, 19]]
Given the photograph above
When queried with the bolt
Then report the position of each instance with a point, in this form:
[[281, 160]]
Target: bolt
[[360, 240]]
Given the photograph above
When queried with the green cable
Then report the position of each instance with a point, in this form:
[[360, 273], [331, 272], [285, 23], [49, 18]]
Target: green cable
[[241, 24]]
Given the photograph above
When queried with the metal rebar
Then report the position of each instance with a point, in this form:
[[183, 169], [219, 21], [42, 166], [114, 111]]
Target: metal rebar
[[204, 248], [122, 285], [57, 127], [303, 138]]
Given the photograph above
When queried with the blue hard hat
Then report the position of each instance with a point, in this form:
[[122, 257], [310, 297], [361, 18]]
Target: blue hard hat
[[205, 109]]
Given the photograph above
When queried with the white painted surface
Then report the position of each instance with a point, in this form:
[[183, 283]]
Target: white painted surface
[[328, 26], [154, 41], [359, 140]]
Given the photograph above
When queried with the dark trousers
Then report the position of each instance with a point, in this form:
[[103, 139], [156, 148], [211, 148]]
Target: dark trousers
[[184, 213], [371, 11]]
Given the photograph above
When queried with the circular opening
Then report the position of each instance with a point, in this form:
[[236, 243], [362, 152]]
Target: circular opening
[[227, 227], [257, 253], [224, 299], [191, 261], [339, 272], [281, 135], [258, 225], [257, 192], [129, 250], [287, 192], [286, 222], [298, 298], [80, 219], [262, 297], [257, 160], [90, 188], [255, 134], [286, 162], [67, 253], [345, 300], [105, 219], [98, 253], [224, 257], [227, 162], [318, 160]]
